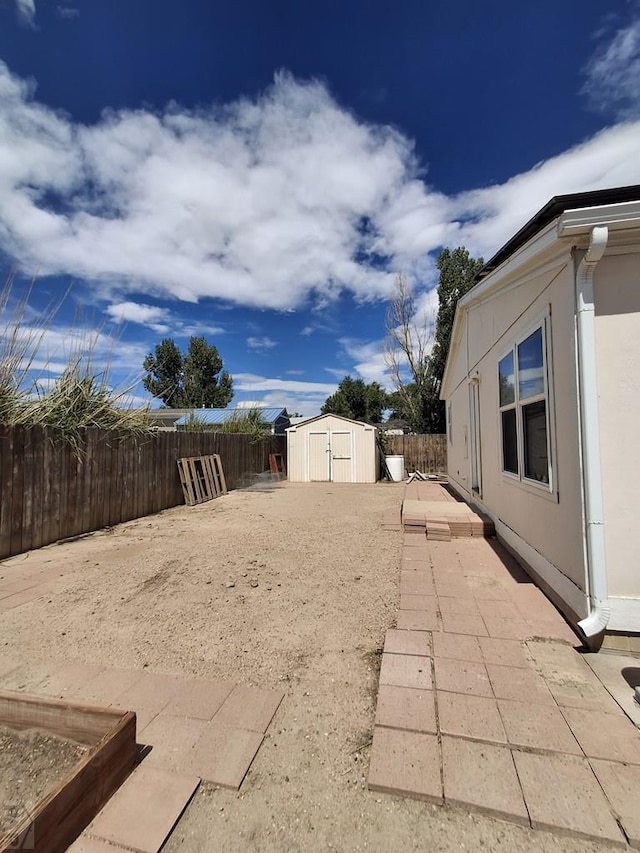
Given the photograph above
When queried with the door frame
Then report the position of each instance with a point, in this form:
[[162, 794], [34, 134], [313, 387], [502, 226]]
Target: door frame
[[352, 451], [324, 433], [475, 443]]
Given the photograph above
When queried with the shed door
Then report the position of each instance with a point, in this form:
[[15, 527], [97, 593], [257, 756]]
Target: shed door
[[341, 456], [319, 457]]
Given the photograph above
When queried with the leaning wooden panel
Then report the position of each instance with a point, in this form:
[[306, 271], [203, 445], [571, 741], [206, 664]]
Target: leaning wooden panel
[[205, 492], [71, 805], [202, 478], [196, 480], [218, 463], [185, 481], [208, 463], [210, 472]]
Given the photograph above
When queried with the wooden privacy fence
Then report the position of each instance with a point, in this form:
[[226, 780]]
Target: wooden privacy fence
[[49, 493], [426, 453]]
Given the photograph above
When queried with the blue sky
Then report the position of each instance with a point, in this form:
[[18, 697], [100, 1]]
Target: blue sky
[[259, 172]]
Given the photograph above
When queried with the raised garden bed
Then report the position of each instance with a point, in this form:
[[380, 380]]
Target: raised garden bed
[[96, 748]]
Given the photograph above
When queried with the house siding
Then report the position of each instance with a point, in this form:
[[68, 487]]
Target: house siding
[[551, 525], [617, 304]]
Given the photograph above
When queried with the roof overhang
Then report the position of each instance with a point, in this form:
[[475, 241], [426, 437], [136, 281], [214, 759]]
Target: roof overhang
[[565, 222], [304, 423], [555, 207]]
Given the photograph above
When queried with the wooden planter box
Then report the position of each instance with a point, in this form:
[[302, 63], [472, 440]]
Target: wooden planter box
[[110, 735]]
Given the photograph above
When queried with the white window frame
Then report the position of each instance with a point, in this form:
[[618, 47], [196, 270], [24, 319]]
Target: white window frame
[[543, 322]]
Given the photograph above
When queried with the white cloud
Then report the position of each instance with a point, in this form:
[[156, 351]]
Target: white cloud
[[129, 400], [368, 360], [227, 202], [296, 396], [26, 10], [159, 320], [145, 315], [261, 344], [48, 351], [488, 217], [613, 72], [68, 12], [251, 382], [187, 330]]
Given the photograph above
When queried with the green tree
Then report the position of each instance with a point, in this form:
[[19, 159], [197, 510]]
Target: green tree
[[457, 273], [415, 353], [357, 400], [192, 380]]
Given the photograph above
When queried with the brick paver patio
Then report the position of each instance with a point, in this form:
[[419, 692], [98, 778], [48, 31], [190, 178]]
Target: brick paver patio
[[197, 729], [485, 702]]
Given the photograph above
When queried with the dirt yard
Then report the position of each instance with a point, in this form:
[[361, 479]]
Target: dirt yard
[[286, 587], [31, 763]]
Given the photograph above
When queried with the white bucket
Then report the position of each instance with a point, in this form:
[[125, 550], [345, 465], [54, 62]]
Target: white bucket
[[395, 464]]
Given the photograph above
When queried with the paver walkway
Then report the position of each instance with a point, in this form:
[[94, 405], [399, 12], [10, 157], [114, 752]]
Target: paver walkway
[[197, 729], [485, 702]]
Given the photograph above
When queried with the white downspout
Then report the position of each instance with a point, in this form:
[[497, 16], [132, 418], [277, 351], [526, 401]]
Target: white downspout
[[599, 608]]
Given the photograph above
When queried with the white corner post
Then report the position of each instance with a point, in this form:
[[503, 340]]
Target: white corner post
[[599, 607]]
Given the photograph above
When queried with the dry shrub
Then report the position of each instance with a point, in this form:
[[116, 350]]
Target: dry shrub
[[81, 396], [246, 422]]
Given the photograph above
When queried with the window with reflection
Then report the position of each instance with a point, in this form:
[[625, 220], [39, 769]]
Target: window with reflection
[[524, 410]]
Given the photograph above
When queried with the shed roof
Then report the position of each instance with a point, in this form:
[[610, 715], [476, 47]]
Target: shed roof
[[330, 415], [270, 414]]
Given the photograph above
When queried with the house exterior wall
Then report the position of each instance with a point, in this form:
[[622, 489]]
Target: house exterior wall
[[307, 451], [548, 523], [617, 306]]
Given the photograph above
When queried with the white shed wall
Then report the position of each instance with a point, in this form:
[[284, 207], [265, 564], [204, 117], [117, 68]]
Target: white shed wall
[[332, 447]]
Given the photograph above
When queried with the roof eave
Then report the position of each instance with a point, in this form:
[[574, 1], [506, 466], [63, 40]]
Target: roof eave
[[554, 208], [572, 220]]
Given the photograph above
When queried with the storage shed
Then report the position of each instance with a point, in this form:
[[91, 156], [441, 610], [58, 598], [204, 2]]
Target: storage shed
[[334, 449]]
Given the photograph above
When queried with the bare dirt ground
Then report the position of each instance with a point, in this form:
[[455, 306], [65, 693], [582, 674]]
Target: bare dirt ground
[[290, 587], [31, 763]]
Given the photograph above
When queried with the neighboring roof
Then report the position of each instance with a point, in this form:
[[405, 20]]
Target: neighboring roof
[[396, 423], [330, 415], [550, 211], [167, 415], [220, 416]]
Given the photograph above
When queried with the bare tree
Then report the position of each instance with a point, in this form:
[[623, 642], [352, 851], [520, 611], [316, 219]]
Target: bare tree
[[407, 347]]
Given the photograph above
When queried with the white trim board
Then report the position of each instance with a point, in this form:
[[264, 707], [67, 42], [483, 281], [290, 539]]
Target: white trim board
[[625, 615]]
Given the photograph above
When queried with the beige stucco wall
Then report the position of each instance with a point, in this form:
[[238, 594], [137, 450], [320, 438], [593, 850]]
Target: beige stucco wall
[[617, 304], [550, 524], [364, 467], [457, 437]]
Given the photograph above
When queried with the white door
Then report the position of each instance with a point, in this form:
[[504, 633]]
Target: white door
[[319, 457], [341, 457], [474, 429]]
